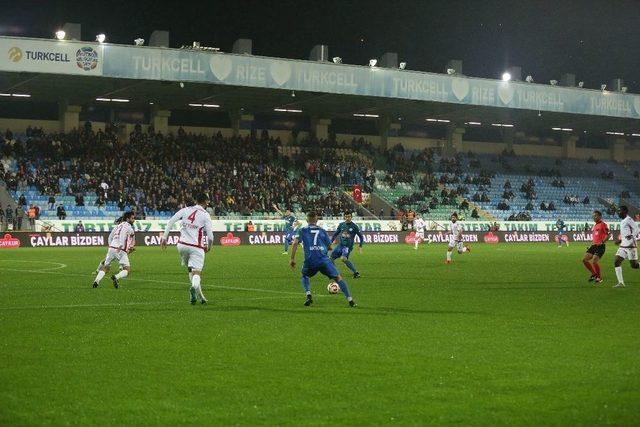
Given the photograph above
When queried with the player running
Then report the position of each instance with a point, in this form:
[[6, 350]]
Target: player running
[[290, 224], [316, 243], [419, 225], [346, 232], [600, 234], [628, 244], [121, 243], [562, 237], [196, 238], [455, 238]]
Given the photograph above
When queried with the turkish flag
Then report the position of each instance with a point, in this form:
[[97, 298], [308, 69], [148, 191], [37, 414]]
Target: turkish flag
[[357, 193]]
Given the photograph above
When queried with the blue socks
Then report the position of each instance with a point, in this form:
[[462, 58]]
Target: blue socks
[[286, 245], [343, 287], [350, 266], [306, 284]]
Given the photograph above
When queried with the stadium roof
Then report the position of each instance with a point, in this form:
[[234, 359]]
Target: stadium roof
[[435, 96]]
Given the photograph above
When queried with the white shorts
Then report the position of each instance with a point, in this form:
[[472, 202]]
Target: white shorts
[[453, 243], [628, 253], [420, 235], [117, 254], [192, 257]]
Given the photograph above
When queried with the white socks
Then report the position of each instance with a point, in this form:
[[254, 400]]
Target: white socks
[[122, 274], [619, 274], [448, 256], [416, 243], [195, 283], [99, 276]]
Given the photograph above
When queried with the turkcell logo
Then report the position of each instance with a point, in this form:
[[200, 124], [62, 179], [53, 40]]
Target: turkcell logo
[[36, 55]]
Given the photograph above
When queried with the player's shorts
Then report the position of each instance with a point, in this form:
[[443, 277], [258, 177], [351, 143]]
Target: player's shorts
[[290, 236], [453, 243], [327, 268], [628, 253], [597, 250], [561, 232], [340, 251], [420, 235], [191, 256], [117, 254]]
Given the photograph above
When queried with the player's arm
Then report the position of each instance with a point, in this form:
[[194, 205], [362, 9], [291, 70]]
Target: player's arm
[[294, 249], [175, 218], [278, 211], [208, 228], [361, 237], [336, 233]]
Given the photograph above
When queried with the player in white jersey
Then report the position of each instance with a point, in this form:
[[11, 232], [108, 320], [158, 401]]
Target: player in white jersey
[[109, 239], [628, 244], [121, 243], [196, 237], [455, 238], [419, 225]]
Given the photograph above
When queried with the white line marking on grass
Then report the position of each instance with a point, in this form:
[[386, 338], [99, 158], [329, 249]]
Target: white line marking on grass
[[127, 304], [59, 265], [134, 279]]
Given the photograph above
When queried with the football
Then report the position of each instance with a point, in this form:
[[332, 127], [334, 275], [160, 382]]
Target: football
[[333, 288]]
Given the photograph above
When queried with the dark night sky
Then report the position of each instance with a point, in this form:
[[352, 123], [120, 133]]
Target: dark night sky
[[595, 39]]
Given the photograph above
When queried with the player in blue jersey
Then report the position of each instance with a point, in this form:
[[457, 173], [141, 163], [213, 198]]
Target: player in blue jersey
[[290, 224], [316, 243], [345, 236], [562, 237]]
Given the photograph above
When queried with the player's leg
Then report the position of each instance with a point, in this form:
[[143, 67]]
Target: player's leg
[[462, 248], [307, 274], [329, 270], [345, 259], [587, 261], [196, 265], [595, 264], [621, 255], [449, 252], [416, 241], [123, 260], [102, 271]]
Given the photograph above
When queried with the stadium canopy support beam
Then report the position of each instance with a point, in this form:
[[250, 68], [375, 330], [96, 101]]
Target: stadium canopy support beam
[[569, 146], [160, 121], [320, 127], [618, 149], [240, 121], [453, 145], [69, 116], [384, 125]]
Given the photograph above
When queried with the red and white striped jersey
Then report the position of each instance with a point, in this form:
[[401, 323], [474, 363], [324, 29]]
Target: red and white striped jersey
[[196, 228], [122, 237]]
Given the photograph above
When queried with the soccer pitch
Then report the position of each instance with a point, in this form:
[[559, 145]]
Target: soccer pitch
[[506, 335]]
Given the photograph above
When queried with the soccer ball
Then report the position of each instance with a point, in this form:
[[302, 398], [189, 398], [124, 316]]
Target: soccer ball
[[333, 288]]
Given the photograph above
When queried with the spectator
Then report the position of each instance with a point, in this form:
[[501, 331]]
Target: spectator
[[543, 206], [79, 227], [61, 213], [52, 202], [586, 200], [19, 217], [551, 207], [22, 200], [79, 200], [8, 212], [474, 213]]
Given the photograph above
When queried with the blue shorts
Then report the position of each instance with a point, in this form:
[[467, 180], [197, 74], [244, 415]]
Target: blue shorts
[[561, 232], [289, 236], [340, 251], [326, 267]]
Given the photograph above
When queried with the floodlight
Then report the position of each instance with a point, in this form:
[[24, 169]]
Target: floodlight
[[138, 42], [553, 82], [603, 87], [100, 38], [529, 79], [451, 71], [580, 84], [403, 65], [373, 62], [60, 34], [337, 60], [624, 89], [506, 77]]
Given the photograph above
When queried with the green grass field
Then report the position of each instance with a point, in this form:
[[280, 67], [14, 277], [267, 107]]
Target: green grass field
[[507, 335]]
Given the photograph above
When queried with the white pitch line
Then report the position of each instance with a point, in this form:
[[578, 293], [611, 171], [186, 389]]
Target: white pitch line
[[126, 304], [133, 279], [59, 265]]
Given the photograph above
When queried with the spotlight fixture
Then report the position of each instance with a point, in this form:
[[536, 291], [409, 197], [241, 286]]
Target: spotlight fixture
[[451, 71], [196, 45], [373, 62], [100, 38], [138, 42], [181, 85], [293, 93], [580, 84], [603, 87], [506, 77], [624, 89], [60, 34], [529, 79], [402, 65], [337, 60], [553, 82]]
